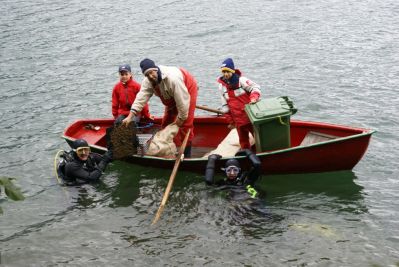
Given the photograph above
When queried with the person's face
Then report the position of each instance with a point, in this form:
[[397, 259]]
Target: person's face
[[125, 76], [232, 172], [227, 74], [83, 153], [152, 75]]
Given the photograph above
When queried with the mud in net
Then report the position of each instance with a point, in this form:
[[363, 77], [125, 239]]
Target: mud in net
[[131, 140]]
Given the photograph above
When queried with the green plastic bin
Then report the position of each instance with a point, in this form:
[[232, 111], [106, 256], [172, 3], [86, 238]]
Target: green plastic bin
[[271, 121]]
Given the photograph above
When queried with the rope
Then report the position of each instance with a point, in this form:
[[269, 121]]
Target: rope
[[55, 166]]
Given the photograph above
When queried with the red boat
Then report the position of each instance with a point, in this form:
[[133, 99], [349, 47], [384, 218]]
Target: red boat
[[314, 146]]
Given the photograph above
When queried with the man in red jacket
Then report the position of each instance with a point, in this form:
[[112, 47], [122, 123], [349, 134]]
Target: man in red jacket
[[124, 94]]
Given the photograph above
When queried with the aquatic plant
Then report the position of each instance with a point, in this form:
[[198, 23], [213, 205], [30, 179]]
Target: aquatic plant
[[10, 189]]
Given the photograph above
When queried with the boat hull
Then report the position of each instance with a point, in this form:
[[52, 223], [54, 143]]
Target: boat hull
[[342, 152]]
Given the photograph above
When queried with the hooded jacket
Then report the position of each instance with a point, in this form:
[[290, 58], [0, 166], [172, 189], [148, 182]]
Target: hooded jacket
[[236, 96]]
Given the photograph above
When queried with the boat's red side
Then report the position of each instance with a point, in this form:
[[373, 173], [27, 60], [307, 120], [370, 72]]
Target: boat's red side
[[341, 153]]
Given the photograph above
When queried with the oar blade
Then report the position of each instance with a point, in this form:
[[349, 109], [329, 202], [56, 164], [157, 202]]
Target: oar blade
[[158, 215]]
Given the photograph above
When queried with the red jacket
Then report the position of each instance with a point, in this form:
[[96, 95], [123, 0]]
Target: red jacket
[[123, 96], [235, 97]]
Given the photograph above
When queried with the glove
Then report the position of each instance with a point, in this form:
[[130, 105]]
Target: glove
[[244, 152], [107, 157], [214, 157]]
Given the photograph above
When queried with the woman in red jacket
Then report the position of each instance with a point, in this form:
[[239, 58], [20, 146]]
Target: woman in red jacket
[[237, 91], [124, 94]]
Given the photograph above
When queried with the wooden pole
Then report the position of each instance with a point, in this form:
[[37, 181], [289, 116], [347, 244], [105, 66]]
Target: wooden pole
[[172, 178], [209, 109]]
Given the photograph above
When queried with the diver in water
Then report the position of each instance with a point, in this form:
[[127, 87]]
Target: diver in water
[[235, 176], [81, 165]]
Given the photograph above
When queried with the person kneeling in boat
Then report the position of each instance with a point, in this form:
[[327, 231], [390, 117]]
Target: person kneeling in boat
[[85, 166], [234, 174]]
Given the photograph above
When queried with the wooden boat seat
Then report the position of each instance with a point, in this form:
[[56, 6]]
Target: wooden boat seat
[[229, 146], [316, 137]]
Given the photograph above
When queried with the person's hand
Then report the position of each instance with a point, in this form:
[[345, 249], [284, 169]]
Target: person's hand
[[231, 126], [253, 100], [128, 120], [179, 122]]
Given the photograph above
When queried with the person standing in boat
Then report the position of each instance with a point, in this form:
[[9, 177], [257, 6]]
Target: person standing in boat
[[123, 95], [235, 176], [237, 91], [177, 90], [83, 166]]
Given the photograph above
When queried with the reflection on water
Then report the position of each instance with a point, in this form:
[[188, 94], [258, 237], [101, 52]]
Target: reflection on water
[[338, 184], [279, 196], [120, 186], [305, 209], [336, 187]]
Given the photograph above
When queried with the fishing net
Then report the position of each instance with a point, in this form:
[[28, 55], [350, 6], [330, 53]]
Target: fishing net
[[123, 141], [131, 140]]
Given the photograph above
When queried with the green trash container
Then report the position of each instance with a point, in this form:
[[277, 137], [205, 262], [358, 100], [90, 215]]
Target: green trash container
[[271, 121]]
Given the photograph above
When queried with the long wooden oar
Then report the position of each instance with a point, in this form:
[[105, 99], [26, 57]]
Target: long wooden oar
[[209, 109], [172, 178]]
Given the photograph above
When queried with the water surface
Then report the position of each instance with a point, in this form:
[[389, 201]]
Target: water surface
[[337, 60]]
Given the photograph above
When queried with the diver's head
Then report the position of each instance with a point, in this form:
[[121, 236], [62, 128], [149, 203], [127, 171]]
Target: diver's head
[[232, 169], [81, 148]]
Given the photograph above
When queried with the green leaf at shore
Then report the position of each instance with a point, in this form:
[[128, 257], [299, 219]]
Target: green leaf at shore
[[10, 189]]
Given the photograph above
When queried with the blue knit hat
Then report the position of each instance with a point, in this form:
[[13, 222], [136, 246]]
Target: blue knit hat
[[147, 65], [228, 65]]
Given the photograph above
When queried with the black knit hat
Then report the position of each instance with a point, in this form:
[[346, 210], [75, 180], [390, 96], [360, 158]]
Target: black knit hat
[[232, 162], [147, 65], [79, 143]]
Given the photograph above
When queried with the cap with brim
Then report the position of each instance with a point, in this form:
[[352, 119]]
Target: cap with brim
[[125, 67]]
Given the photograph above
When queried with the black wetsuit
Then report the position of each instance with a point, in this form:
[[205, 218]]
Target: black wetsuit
[[245, 179], [78, 171]]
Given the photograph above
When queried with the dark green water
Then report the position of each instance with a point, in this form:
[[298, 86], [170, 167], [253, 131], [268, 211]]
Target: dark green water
[[337, 60]]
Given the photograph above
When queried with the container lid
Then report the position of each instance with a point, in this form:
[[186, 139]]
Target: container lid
[[270, 108]]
